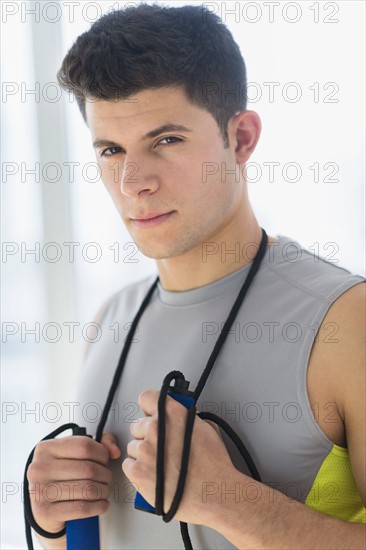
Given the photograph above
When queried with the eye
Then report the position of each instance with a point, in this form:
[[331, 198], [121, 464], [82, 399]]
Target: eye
[[110, 152], [178, 140]]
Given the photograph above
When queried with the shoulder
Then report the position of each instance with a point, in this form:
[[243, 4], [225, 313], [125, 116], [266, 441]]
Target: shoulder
[[349, 311], [346, 357], [306, 276], [347, 314], [339, 347]]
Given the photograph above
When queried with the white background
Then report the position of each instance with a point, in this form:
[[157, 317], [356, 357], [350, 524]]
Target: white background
[[317, 46]]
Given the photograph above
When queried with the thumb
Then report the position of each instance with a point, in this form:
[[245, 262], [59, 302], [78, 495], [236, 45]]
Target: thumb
[[110, 443]]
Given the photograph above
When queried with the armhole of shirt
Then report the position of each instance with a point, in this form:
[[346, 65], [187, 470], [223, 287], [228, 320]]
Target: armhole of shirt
[[304, 358]]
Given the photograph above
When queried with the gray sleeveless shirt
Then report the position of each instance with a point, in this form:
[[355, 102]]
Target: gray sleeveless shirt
[[258, 384]]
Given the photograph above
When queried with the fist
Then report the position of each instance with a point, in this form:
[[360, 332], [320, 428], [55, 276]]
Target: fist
[[69, 478]]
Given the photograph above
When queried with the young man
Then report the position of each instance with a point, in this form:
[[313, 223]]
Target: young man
[[152, 83]]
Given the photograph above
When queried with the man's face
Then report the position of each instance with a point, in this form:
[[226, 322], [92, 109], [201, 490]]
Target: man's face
[[159, 183]]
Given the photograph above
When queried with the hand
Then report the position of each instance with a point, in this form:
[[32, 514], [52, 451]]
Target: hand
[[209, 460], [69, 478]]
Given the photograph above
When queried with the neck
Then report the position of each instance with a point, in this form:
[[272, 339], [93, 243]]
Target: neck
[[221, 254]]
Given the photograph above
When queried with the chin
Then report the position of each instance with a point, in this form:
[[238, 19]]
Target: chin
[[167, 246], [163, 251], [157, 253]]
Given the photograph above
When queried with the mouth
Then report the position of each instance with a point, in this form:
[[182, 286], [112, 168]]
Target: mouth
[[150, 220]]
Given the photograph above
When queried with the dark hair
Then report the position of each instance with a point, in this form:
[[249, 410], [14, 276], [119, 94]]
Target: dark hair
[[150, 46]]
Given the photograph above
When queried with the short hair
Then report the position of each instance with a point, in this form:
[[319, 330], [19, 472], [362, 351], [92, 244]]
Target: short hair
[[150, 46]]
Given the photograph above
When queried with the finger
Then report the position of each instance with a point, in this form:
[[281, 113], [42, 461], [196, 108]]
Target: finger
[[138, 428], [64, 491], [66, 469], [110, 443], [127, 467], [74, 447], [148, 402], [134, 448]]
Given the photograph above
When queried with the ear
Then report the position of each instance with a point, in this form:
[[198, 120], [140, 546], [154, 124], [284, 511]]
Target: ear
[[244, 130]]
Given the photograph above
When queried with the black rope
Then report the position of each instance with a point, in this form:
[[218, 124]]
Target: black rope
[[160, 454], [185, 536], [122, 361], [234, 310], [184, 465], [160, 478]]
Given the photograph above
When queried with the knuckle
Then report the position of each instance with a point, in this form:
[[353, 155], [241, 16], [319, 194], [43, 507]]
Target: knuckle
[[33, 472], [36, 471], [133, 426], [42, 449], [51, 492], [92, 491], [130, 446], [89, 469], [85, 447]]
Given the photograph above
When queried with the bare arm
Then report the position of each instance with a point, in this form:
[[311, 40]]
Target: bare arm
[[275, 522]]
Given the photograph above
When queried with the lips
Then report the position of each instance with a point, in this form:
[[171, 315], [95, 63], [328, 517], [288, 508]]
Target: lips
[[149, 216], [151, 219]]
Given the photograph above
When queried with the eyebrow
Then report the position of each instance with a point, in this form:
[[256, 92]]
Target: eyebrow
[[152, 134]]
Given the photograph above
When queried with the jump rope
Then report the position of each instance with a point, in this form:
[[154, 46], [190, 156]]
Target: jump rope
[[83, 534]]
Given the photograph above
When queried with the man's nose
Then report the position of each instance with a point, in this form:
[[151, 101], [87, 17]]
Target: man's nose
[[138, 177]]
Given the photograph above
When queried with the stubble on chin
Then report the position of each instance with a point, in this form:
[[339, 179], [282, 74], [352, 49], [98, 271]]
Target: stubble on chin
[[169, 248]]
